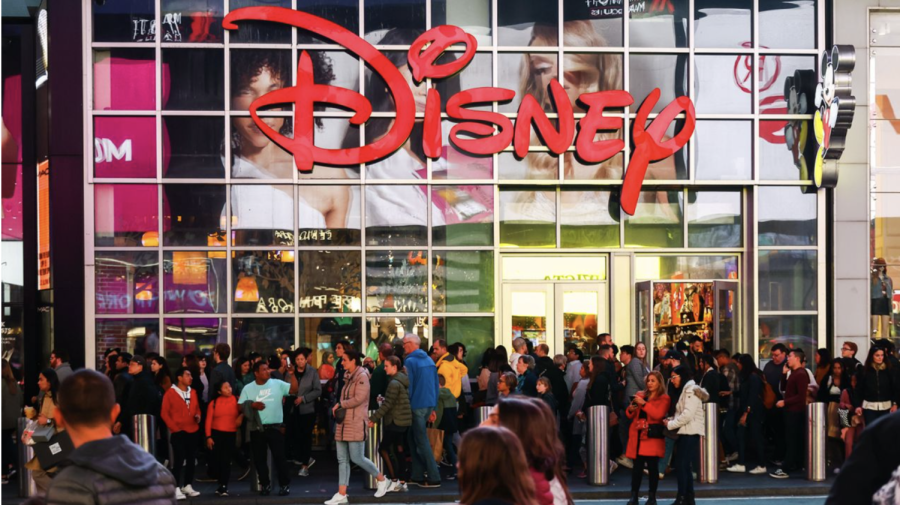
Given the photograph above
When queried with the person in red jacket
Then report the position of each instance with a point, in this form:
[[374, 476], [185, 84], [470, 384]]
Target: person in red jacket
[[794, 405], [222, 420], [181, 413], [648, 408]]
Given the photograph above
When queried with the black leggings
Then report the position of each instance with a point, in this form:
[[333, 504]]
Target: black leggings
[[223, 450], [637, 473], [393, 451], [184, 447]]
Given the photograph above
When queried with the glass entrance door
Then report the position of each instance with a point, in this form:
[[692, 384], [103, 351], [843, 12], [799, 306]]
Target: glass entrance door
[[528, 313], [644, 321], [579, 312], [726, 317]]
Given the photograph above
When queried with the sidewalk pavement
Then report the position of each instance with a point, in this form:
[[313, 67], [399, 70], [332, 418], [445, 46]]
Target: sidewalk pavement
[[322, 484]]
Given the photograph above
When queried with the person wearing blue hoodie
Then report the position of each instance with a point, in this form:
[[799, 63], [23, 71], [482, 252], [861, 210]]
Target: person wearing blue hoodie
[[423, 399]]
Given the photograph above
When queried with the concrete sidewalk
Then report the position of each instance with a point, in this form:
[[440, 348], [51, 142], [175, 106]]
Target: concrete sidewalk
[[322, 484]]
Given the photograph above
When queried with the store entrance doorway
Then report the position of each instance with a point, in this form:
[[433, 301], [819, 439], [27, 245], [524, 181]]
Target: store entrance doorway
[[556, 301], [669, 311]]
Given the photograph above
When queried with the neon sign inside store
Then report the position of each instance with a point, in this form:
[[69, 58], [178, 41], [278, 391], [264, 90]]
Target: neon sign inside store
[[492, 132]]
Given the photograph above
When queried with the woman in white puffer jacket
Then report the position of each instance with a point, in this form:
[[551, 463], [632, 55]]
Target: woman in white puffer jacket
[[689, 423]]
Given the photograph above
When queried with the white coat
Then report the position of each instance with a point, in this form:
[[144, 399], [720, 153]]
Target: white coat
[[689, 413]]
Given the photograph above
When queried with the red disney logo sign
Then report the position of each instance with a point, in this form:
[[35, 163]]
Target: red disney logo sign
[[492, 132]]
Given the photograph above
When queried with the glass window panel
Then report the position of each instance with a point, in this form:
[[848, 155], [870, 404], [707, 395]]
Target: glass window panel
[[384, 16], [668, 72], [576, 169], [262, 159], [192, 20], [195, 147], [773, 69], [885, 245], [261, 32], [322, 334], [125, 79], [886, 137], [589, 219], [332, 133], [652, 268], [884, 62], [338, 68], [657, 220], [716, 91], [475, 333], [787, 280], [527, 218], [520, 22], [473, 17], [579, 317], [263, 281], [722, 25], [255, 72], [126, 215], [883, 25], [266, 336], [127, 335], [397, 281], [457, 164], [328, 215], [659, 24], [527, 73], [592, 23], [478, 73], [375, 86], [193, 335], [776, 160], [126, 282], [463, 281], [404, 164], [398, 215], [528, 314], [262, 214], [342, 12], [796, 332], [194, 215], [195, 281], [787, 216], [536, 165], [125, 147], [197, 79], [381, 330], [787, 24], [329, 281], [113, 23], [714, 218], [723, 150], [467, 214], [555, 268]]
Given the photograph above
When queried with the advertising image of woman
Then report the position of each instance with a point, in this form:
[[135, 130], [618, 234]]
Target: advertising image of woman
[[255, 156]]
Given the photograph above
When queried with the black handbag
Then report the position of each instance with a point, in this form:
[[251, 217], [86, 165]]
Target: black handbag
[[655, 431], [339, 414]]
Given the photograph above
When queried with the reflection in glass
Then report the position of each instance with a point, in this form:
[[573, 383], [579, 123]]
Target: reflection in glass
[[772, 72], [129, 335], [112, 23], [126, 215], [197, 79], [721, 25], [266, 336], [191, 20], [714, 218], [588, 219], [329, 281], [194, 147], [473, 16], [475, 333], [657, 221], [192, 335], [126, 282], [125, 79], [527, 73], [342, 12], [659, 24], [322, 334], [787, 280], [263, 281], [192, 215], [398, 215], [262, 214], [776, 160], [384, 15], [478, 73], [527, 218], [457, 164], [517, 21], [602, 17], [714, 88], [463, 281], [883, 61], [557, 268], [655, 267], [668, 72], [125, 147], [391, 330], [579, 317], [329, 215], [261, 32], [536, 165], [468, 214], [255, 72], [397, 281], [528, 310], [723, 151], [787, 24], [792, 331], [885, 226], [195, 281], [787, 216]]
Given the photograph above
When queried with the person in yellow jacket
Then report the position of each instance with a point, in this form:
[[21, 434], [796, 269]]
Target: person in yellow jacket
[[451, 369]]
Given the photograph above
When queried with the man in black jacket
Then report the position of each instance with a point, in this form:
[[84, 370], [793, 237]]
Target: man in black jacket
[[870, 465], [141, 397], [222, 371], [103, 469], [710, 377], [545, 366]]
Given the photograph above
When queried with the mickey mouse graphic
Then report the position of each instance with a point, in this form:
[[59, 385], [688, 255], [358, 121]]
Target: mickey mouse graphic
[[834, 115], [798, 92]]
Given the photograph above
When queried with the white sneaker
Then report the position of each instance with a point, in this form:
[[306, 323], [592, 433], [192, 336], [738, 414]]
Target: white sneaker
[[736, 468], [731, 457], [337, 499], [179, 495], [758, 470], [624, 461], [189, 491], [382, 488]]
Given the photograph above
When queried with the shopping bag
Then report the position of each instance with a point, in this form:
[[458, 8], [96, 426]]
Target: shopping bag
[[436, 439]]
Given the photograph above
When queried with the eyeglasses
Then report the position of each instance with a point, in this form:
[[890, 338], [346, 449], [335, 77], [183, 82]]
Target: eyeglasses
[[846, 349]]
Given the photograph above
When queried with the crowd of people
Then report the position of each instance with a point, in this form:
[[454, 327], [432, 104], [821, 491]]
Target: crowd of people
[[228, 415]]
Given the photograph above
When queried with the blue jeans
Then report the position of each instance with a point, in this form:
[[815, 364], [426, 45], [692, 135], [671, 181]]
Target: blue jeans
[[422, 457], [664, 462], [688, 452], [352, 451]]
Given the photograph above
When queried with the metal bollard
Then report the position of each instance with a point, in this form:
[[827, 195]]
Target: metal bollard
[[144, 429], [598, 445], [27, 487], [709, 445], [373, 438], [482, 414], [815, 441]]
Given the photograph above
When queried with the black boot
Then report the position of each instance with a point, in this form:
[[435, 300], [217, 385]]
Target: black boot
[[634, 499], [651, 500], [689, 499], [679, 500]]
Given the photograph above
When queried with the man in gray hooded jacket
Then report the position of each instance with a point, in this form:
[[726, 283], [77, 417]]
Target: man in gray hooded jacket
[[103, 469]]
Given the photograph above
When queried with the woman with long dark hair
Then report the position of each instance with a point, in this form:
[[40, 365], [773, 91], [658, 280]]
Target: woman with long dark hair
[[830, 389], [496, 452], [878, 387], [303, 413], [162, 377], [750, 417], [823, 364], [689, 422], [648, 408], [48, 383]]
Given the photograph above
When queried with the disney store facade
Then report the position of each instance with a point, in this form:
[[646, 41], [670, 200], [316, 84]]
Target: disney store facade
[[201, 229]]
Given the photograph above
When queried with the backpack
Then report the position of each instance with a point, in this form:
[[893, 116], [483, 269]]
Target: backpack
[[768, 395]]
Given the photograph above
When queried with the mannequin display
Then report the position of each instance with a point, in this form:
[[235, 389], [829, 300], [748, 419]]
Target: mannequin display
[[882, 292]]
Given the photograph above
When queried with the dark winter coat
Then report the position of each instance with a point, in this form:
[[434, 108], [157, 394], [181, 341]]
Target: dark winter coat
[[395, 407]]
